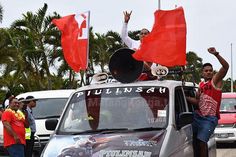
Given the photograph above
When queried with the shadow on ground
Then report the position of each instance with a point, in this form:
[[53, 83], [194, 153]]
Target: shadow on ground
[[226, 145]]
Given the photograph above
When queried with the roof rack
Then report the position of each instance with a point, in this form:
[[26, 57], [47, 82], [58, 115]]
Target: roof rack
[[177, 73]]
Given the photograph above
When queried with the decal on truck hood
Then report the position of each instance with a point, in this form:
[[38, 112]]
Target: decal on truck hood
[[145, 144]]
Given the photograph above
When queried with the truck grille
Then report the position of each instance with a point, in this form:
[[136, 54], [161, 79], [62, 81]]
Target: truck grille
[[225, 125]]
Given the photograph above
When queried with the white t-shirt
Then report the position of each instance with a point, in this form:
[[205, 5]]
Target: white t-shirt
[[6, 103]]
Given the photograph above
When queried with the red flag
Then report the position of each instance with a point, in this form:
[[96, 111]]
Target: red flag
[[74, 39], [166, 43]]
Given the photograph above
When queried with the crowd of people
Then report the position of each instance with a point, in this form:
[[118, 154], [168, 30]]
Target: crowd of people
[[18, 125]]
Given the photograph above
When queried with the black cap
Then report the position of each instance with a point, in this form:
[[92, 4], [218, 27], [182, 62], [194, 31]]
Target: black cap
[[30, 98], [21, 99]]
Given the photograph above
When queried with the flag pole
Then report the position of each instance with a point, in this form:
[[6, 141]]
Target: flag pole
[[232, 68], [159, 4]]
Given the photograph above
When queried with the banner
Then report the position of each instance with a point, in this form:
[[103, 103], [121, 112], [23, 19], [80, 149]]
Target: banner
[[75, 39], [166, 43]]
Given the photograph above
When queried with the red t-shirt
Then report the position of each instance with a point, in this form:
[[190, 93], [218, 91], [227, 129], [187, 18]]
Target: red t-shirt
[[210, 99], [17, 125]]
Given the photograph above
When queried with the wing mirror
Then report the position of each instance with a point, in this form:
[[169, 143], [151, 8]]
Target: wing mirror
[[51, 124]]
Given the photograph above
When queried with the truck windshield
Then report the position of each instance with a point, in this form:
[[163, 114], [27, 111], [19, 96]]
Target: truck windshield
[[228, 105], [128, 108]]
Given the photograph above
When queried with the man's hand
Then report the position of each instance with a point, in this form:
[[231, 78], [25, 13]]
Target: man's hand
[[213, 51], [127, 16], [17, 139]]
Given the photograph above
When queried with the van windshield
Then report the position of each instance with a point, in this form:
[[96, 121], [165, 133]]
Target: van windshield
[[115, 108], [228, 105], [49, 108]]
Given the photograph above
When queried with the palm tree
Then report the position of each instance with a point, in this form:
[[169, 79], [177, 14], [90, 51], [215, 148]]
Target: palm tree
[[114, 40], [105, 46], [195, 64], [13, 59], [36, 32]]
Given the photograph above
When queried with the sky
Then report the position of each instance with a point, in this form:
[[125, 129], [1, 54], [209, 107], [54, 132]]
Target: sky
[[209, 22]]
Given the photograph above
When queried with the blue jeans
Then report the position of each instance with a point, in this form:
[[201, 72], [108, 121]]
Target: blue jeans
[[204, 126], [16, 150]]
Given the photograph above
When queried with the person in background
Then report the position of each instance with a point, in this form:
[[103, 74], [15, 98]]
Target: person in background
[[208, 101], [6, 100], [22, 110], [14, 130], [30, 101]]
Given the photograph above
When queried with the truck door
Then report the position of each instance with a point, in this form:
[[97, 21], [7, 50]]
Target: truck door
[[183, 134]]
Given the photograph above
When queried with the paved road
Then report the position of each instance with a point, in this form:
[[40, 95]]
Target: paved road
[[226, 150]]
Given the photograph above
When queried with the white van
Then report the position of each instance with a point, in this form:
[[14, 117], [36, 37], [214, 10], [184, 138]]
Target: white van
[[143, 118], [50, 104]]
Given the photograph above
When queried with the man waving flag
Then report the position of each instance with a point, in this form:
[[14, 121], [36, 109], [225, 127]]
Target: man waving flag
[[166, 44], [75, 39]]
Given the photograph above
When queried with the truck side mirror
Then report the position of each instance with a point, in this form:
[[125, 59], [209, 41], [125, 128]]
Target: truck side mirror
[[51, 124], [184, 119]]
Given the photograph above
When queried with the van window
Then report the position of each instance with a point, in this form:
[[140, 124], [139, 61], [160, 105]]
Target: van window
[[192, 92], [179, 101], [116, 108], [180, 105], [49, 108]]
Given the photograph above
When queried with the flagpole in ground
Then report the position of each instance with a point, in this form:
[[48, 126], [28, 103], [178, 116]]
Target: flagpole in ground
[[232, 90]]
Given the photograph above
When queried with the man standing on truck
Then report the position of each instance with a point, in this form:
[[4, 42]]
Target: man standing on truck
[[30, 101], [208, 100], [131, 43]]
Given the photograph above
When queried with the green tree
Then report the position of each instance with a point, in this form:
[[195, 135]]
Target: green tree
[[36, 44], [10, 61], [194, 64], [227, 85], [134, 34]]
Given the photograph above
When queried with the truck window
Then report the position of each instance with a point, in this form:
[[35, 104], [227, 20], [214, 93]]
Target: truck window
[[192, 92], [49, 108], [180, 105]]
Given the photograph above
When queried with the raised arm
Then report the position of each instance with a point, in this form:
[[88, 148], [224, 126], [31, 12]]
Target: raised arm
[[218, 77], [124, 32]]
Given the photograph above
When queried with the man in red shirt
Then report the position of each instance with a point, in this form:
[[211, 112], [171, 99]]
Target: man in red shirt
[[208, 100], [14, 129]]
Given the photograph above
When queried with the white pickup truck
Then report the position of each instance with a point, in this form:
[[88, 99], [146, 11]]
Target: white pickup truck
[[129, 119], [139, 119]]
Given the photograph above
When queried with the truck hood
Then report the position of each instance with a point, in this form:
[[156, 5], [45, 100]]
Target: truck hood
[[146, 144], [227, 118]]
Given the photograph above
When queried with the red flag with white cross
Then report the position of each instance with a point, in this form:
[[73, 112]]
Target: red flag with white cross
[[75, 39]]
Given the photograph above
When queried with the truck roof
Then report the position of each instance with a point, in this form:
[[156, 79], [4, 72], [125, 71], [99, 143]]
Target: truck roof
[[62, 93], [163, 83], [229, 95]]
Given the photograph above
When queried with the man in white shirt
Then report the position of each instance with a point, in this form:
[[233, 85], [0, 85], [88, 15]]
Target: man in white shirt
[[131, 43]]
